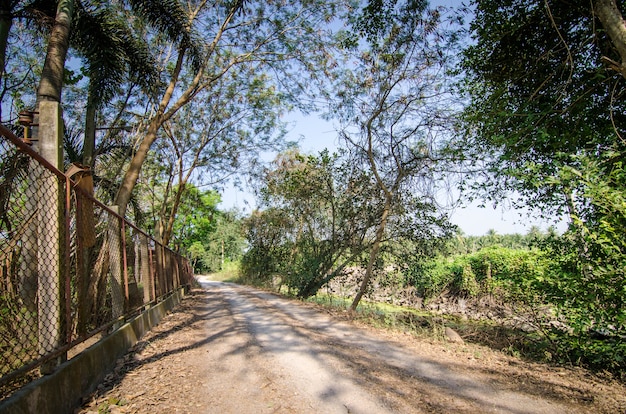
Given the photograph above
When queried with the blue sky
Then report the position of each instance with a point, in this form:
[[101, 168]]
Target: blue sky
[[315, 134]]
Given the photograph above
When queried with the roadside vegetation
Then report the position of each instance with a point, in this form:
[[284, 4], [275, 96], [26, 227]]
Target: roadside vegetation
[[427, 324], [512, 298], [229, 273]]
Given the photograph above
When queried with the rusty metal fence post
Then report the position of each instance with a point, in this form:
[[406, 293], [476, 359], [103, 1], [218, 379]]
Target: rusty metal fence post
[[146, 269]]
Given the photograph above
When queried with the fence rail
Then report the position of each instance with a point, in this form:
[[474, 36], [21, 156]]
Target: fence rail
[[70, 267]]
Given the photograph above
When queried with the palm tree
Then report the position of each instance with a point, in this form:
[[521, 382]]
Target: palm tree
[[101, 35], [111, 51]]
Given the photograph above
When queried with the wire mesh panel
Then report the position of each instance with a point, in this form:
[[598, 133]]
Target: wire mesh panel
[[18, 252], [70, 267]]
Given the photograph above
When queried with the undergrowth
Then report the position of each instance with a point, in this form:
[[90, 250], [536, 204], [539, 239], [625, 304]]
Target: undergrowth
[[515, 342], [229, 273]]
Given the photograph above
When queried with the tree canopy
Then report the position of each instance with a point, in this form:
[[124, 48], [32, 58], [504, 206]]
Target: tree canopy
[[541, 97], [546, 119]]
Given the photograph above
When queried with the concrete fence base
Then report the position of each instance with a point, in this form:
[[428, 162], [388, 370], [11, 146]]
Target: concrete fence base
[[62, 391]]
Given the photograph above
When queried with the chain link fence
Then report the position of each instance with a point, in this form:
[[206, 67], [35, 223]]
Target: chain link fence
[[71, 269]]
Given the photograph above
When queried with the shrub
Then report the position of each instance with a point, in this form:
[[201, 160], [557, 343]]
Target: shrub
[[520, 271], [430, 279], [467, 284]]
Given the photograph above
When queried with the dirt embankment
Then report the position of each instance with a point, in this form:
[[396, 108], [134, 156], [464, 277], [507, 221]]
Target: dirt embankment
[[231, 349]]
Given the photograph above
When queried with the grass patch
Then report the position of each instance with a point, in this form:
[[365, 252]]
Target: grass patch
[[530, 346], [387, 316], [229, 273]]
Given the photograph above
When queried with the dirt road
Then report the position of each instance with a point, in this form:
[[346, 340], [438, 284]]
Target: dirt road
[[232, 349]]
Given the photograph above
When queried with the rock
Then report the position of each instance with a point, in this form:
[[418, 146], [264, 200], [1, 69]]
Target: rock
[[453, 336]]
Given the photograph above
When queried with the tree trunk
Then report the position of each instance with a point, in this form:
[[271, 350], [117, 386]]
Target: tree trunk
[[54, 65], [168, 229], [89, 143], [146, 270], [132, 173], [582, 244], [163, 114], [161, 277], [85, 242], [97, 282], [6, 21], [85, 211], [116, 281], [380, 231]]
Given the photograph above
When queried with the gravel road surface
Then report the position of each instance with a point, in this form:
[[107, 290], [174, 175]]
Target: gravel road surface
[[233, 349]]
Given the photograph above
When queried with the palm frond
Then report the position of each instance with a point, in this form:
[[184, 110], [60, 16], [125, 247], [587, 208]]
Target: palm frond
[[38, 14], [73, 144], [110, 49], [170, 18]]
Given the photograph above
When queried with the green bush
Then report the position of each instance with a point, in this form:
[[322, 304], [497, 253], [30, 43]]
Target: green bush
[[604, 354], [467, 283], [517, 270], [585, 300], [430, 279], [260, 264]]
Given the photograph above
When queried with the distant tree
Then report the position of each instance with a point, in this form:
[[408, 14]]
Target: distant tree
[[462, 244], [197, 215], [227, 243], [268, 234], [322, 213], [213, 244]]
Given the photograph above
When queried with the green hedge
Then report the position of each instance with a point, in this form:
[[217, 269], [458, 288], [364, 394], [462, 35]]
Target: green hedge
[[481, 272]]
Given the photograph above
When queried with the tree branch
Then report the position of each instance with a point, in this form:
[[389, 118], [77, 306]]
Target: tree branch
[[613, 22]]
